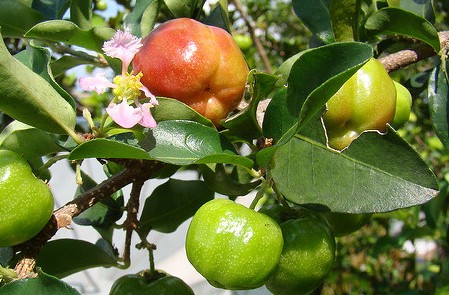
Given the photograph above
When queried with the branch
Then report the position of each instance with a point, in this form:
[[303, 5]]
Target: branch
[[407, 57], [135, 170]]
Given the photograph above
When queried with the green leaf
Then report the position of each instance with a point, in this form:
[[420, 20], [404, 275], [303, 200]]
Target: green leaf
[[369, 177], [219, 16], [436, 207], [178, 142], [173, 109], [184, 8], [43, 284], [183, 142], [438, 94], [27, 97], [38, 59], [68, 32], [142, 18], [244, 125], [81, 13], [314, 78], [66, 62], [72, 256], [31, 143], [107, 148], [283, 72], [27, 140], [103, 214], [6, 254], [395, 21], [344, 19], [315, 15], [16, 18], [221, 182], [422, 8], [172, 203], [52, 9], [225, 158]]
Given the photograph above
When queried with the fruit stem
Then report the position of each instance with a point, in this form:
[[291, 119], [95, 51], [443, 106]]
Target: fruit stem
[[150, 247], [100, 132], [265, 186], [280, 197], [75, 136], [151, 260]]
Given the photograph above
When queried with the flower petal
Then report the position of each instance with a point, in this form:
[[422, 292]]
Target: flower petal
[[147, 118], [124, 114], [99, 83], [148, 93], [124, 46]]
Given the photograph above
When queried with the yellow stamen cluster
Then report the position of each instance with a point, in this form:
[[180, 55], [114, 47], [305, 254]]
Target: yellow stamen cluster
[[128, 86]]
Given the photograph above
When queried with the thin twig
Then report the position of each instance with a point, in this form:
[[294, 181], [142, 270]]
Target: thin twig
[[95, 60], [131, 223], [260, 49]]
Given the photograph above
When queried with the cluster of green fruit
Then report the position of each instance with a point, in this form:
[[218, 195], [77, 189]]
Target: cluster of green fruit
[[289, 250], [368, 101]]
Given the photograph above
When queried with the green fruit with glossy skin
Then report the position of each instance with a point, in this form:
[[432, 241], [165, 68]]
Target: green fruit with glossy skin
[[306, 259], [365, 102], [26, 202], [138, 284], [243, 41], [343, 224], [101, 5], [403, 105], [197, 64], [232, 246]]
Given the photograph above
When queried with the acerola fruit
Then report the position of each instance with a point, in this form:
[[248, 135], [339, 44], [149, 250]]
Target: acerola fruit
[[243, 41], [197, 64], [403, 105], [139, 284], [232, 246], [306, 259], [26, 202], [366, 102]]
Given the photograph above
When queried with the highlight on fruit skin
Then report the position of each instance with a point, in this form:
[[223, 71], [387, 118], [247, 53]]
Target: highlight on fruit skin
[[365, 102], [197, 64]]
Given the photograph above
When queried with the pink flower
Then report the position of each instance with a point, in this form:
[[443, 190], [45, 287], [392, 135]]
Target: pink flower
[[99, 83], [128, 116], [124, 114], [127, 86], [124, 46], [147, 119]]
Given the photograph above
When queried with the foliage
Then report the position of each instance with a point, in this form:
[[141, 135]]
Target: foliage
[[303, 52]]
